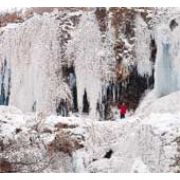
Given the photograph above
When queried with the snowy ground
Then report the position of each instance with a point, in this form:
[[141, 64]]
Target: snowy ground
[[148, 142]]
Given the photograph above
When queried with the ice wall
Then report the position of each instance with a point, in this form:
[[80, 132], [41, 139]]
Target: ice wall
[[75, 56], [32, 48], [41, 66]]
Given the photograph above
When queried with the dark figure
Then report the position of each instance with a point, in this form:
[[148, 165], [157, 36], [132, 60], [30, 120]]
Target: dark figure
[[108, 154], [123, 110]]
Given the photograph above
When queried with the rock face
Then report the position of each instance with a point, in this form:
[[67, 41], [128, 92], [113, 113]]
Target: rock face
[[54, 59]]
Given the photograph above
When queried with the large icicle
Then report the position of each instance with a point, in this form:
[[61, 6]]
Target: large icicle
[[142, 47], [91, 57]]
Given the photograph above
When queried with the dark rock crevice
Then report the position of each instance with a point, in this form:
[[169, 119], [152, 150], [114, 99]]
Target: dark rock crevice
[[85, 103], [153, 48], [5, 83]]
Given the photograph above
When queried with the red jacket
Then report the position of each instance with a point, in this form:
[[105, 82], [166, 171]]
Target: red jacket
[[123, 109]]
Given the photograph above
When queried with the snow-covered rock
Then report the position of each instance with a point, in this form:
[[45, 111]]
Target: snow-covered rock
[[152, 104], [78, 144], [23, 148], [159, 142]]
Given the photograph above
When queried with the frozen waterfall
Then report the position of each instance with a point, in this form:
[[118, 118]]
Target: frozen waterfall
[[167, 62], [92, 60], [32, 48]]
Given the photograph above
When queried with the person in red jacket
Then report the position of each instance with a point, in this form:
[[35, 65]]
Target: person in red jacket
[[123, 110]]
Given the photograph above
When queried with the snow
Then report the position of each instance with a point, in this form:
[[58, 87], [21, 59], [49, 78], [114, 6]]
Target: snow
[[92, 59], [140, 143], [51, 121], [9, 110], [10, 26], [165, 122], [166, 104], [139, 167], [11, 120], [142, 47]]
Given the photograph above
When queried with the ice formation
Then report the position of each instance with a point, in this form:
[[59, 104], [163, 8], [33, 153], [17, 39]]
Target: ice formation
[[92, 59], [164, 72], [35, 76], [32, 51], [167, 61], [142, 47], [62, 62], [50, 61]]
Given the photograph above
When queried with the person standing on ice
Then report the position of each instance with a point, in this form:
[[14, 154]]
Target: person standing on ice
[[122, 110]]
